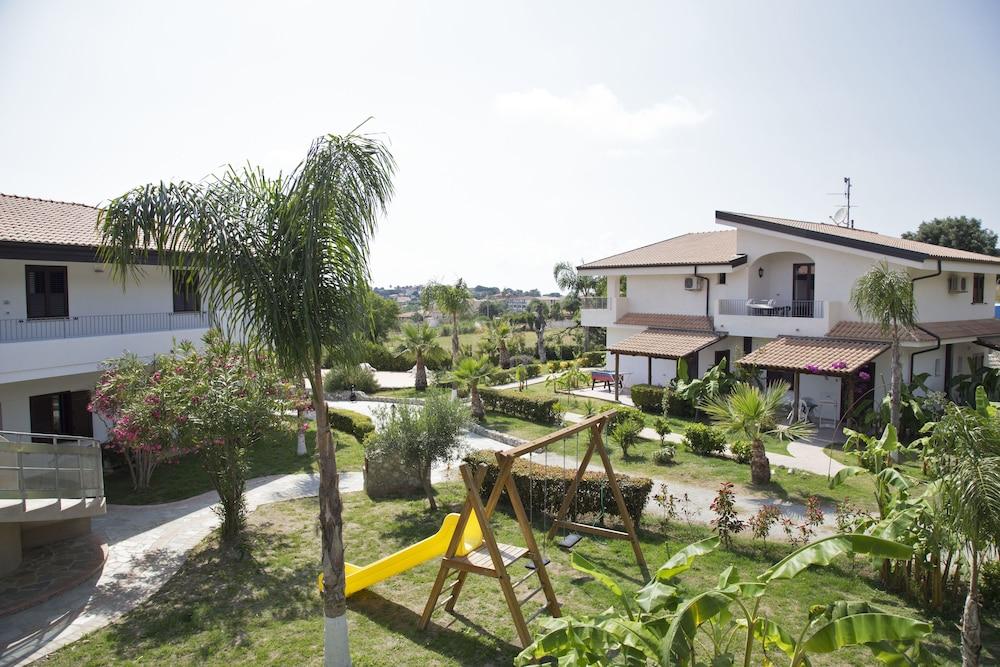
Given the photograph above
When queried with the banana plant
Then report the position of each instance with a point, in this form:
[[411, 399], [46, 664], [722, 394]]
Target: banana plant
[[718, 626], [876, 456]]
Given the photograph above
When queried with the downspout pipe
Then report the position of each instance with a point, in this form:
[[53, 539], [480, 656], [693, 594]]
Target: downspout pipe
[[708, 289], [937, 345]]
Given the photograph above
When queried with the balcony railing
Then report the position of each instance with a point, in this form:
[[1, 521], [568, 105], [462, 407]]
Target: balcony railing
[[770, 308], [21, 330], [36, 465], [594, 302]]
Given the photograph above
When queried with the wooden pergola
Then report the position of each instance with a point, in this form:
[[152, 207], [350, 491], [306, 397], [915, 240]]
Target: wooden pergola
[[660, 344]]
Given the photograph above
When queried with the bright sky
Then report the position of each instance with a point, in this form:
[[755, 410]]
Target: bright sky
[[525, 132]]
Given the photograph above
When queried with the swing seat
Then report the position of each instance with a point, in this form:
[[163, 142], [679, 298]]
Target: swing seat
[[569, 541], [531, 564]]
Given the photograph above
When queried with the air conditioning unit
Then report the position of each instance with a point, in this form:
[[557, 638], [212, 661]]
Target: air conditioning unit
[[692, 283], [958, 284]]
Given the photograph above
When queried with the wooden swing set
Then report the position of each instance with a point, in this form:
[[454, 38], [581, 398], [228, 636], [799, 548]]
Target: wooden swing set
[[493, 559]]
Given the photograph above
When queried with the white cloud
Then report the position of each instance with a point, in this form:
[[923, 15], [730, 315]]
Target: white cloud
[[597, 110]]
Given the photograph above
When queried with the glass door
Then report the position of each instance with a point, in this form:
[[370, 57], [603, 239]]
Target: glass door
[[803, 289]]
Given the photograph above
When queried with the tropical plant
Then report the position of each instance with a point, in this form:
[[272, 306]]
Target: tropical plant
[[877, 456], [350, 376], [966, 384], [885, 296], [568, 380], [662, 428], [665, 455], [420, 437], [421, 341], [454, 301], [751, 413], [538, 312], [665, 624], [626, 434], [726, 522], [470, 372], [568, 279], [286, 258], [498, 334], [717, 381]]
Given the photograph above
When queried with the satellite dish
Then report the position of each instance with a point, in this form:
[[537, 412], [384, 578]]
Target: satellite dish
[[840, 217]]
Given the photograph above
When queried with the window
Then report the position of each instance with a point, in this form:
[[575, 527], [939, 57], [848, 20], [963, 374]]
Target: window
[[722, 278], [63, 413], [47, 294], [720, 355], [978, 288], [186, 296]]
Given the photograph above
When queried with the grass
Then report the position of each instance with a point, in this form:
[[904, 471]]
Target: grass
[[263, 608], [519, 428], [275, 454]]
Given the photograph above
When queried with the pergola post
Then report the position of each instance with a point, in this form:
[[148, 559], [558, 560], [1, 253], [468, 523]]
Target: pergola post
[[617, 365], [649, 370], [795, 398]]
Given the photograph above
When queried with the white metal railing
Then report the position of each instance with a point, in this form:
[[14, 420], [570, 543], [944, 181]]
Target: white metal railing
[[44, 465], [52, 328], [594, 302], [771, 308]]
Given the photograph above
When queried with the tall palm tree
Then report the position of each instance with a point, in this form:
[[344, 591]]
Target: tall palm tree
[[538, 323], [420, 341], [498, 332], [567, 278], [285, 258], [752, 413], [470, 372], [453, 300], [969, 444], [885, 296]]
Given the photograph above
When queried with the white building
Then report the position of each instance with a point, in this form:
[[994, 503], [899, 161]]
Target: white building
[[61, 315], [775, 294]]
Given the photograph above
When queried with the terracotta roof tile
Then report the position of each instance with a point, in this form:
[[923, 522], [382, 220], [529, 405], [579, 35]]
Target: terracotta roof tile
[[872, 331], [924, 334], [836, 233], [663, 344], [668, 321], [29, 220], [829, 357], [963, 328], [693, 248]]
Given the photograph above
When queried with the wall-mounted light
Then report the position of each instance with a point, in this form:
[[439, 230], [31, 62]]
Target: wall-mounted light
[[760, 272]]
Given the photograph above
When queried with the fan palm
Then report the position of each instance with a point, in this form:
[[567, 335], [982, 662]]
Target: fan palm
[[286, 258], [420, 341], [470, 371], [752, 413], [885, 296], [453, 300], [498, 332]]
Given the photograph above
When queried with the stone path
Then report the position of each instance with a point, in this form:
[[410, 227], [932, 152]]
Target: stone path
[[51, 569]]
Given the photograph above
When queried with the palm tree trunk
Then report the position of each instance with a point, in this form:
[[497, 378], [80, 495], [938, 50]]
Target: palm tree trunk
[[972, 643], [300, 448], [504, 354], [454, 339], [420, 382], [896, 381], [760, 465], [476, 402], [335, 646]]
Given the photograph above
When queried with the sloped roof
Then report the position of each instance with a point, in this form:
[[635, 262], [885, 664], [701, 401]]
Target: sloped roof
[[822, 356], [668, 321], [872, 331], [963, 328], [694, 248], [924, 334], [30, 220], [662, 344], [857, 238]]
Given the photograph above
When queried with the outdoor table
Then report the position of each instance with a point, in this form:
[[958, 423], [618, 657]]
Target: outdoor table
[[606, 377]]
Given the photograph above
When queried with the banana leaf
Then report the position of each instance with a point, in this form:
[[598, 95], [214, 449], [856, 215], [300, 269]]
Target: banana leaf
[[683, 559], [864, 628], [822, 552]]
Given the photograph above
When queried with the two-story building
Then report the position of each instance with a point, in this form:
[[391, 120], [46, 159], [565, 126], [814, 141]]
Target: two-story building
[[61, 315], [774, 294]]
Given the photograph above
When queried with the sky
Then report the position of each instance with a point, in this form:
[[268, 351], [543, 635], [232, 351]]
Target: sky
[[525, 133]]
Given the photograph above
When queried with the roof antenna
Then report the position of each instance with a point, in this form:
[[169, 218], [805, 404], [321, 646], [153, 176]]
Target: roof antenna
[[842, 218]]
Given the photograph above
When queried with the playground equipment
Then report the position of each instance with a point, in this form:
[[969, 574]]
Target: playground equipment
[[493, 559], [361, 577]]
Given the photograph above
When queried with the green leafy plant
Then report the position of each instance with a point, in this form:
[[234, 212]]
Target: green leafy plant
[[662, 428], [625, 434], [726, 522], [665, 455], [350, 376], [704, 440], [742, 451], [420, 342], [470, 373], [536, 409], [647, 397]]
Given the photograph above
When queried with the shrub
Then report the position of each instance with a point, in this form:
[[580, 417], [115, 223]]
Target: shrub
[[502, 377], [534, 370], [704, 440], [662, 428], [625, 434], [521, 360], [542, 410], [348, 421], [543, 488], [344, 377], [625, 414], [761, 522], [593, 359], [726, 523], [665, 455], [742, 451], [989, 585], [380, 357], [675, 405], [648, 397]]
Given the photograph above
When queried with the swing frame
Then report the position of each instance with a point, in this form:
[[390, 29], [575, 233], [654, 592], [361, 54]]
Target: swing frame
[[492, 559]]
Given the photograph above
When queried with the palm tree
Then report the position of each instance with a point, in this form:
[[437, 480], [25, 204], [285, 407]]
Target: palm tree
[[752, 413], [453, 300], [286, 259], [969, 444], [498, 332], [538, 323], [420, 341], [885, 296], [470, 372], [568, 279]]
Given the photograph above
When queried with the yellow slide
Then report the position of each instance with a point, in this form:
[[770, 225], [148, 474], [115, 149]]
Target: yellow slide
[[359, 578]]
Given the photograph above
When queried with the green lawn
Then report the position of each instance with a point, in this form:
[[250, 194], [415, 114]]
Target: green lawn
[[274, 455], [262, 607], [519, 428]]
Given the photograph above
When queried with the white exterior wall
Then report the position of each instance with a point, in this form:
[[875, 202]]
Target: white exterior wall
[[14, 400], [666, 294], [936, 304]]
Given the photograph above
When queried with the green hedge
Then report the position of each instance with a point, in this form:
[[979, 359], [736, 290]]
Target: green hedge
[[704, 440], [676, 406], [648, 397], [541, 410], [355, 423], [542, 488]]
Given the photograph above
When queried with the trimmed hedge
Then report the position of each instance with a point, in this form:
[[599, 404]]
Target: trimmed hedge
[[542, 488], [648, 397], [348, 421], [541, 410], [704, 440]]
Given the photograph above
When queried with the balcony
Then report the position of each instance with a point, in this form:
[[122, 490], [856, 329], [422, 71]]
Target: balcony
[[593, 302], [771, 308], [770, 318], [602, 311], [84, 326]]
